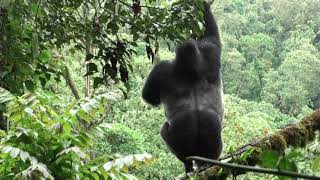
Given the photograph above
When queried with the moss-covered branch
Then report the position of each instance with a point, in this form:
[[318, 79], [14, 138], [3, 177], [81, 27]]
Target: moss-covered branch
[[296, 135]]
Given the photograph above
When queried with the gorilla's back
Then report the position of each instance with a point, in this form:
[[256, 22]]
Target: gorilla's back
[[201, 96]]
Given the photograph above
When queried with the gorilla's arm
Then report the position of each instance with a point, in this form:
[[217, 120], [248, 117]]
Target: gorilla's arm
[[211, 32], [155, 82], [210, 46]]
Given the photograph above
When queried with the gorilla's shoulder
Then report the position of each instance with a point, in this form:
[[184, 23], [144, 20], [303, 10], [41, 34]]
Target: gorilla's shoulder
[[163, 68]]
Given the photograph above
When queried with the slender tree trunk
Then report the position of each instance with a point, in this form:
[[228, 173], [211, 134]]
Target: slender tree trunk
[[87, 93], [88, 52], [3, 121], [71, 84]]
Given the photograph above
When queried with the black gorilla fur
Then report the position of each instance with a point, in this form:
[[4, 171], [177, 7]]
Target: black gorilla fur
[[190, 87]]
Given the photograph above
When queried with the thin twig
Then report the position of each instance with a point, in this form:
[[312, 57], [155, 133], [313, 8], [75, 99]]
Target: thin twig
[[253, 169], [143, 6]]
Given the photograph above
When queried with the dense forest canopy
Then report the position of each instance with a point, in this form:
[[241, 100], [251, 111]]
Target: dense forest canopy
[[71, 74]]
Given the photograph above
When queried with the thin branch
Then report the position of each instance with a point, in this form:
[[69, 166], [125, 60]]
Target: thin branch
[[143, 6], [253, 169]]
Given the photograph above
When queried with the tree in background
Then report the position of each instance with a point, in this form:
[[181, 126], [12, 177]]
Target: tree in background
[[32, 29]]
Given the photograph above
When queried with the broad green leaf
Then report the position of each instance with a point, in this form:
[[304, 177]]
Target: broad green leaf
[[5, 96], [316, 164], [45, 56], [15, 116], [246, 154], [14, 152], [285, 164], [118, 164], [30, 85], [69, 109], [293, 154], [95, 176], [94, 168], [7, 149], [83, 115], [75, 150], [34, 8], [270, 159], [33, 160], [128, 160], [84, 141], [104, 173], [24, 155], [29, 111], [107, 166], [129, 176]]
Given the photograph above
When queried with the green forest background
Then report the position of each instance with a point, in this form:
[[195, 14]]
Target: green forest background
[[54, 125]]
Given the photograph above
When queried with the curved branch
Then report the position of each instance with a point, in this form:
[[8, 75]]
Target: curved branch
[[238, 167], [295, 135]]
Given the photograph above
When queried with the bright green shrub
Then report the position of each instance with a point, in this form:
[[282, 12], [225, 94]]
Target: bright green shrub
[[121, 139]]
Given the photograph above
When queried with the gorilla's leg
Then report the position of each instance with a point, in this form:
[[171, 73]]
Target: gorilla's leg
[[180, 134], [209, 142]]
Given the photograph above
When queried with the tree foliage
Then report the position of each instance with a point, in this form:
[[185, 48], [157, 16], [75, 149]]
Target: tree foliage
[[31, 29]]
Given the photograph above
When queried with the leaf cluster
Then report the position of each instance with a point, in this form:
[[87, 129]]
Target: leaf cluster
[[41, 143]]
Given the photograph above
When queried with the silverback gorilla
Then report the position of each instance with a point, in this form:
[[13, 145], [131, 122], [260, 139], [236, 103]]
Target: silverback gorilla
[[190, 88]]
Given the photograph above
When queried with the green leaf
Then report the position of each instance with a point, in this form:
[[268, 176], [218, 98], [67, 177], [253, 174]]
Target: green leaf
[[34, 9], [246, 154], [316, 164], [43, 81], [29, 111], [24, 155], [83, 115], [135, 36], [118, 164], [45, 56], [30, 85], [14, 152], [70, 108], [104, 174], [95, 176], [129, 176], [270, 159], [285, 164], [107, 166], [7, 149], [83, 140], [5, 96], [294, 154], [75, 150]]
